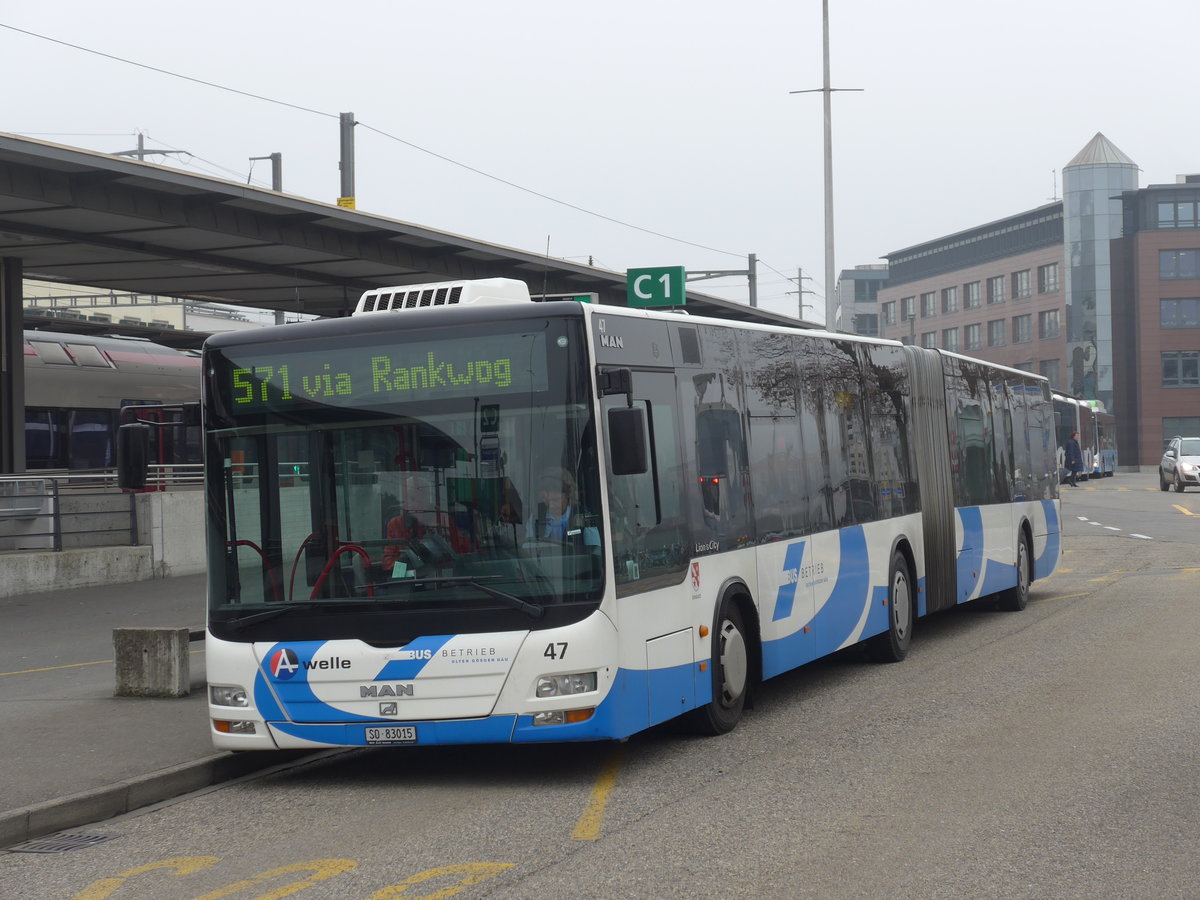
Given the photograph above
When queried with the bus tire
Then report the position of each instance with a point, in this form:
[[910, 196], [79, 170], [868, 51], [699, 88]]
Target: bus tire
[[1016, 598], [892, 645], [730, 675]]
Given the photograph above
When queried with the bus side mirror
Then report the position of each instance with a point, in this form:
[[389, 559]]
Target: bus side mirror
[[133, 455], [615, 381], [627, 441]]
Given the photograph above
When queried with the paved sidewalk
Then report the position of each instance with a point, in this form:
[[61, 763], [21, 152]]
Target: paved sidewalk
[[71, 752]]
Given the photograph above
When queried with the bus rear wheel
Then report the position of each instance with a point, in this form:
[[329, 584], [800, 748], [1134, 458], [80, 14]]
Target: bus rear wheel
[[730, 675], [892, 645], [1016, 598]]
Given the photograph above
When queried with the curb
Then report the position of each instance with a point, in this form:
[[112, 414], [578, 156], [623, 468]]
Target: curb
[[40, 819]]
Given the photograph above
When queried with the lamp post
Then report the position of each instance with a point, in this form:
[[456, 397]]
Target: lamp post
[[827, 91]]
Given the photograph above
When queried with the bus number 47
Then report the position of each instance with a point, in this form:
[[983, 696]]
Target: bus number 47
[[556, 651]]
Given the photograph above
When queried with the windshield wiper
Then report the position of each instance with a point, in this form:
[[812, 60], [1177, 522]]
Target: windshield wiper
[[533, 610], [282, 610]]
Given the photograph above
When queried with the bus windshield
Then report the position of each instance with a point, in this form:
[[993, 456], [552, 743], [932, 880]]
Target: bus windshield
[[425, 478]]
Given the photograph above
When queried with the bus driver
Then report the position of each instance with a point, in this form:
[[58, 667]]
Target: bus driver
[[558, 519]]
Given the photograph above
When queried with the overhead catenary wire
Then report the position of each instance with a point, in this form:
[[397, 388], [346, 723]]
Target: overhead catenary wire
[[412, 145], [130, 62]]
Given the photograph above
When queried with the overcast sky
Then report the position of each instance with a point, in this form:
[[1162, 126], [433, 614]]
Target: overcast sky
[[664, 131]]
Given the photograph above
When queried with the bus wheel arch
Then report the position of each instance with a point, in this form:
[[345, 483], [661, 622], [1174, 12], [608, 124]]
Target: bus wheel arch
[[735, 663]]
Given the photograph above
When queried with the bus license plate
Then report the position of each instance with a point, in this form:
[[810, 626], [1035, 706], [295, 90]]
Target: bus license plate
[[392, 734]]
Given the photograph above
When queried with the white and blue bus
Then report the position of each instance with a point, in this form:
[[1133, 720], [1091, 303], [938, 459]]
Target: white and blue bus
[[1097, 435], [460, 516]]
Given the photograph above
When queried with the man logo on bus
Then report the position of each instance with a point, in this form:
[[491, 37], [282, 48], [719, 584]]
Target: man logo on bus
[[284, 664], [695, 576]]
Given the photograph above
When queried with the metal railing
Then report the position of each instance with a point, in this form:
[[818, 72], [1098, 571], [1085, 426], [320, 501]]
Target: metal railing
[[56, 510]]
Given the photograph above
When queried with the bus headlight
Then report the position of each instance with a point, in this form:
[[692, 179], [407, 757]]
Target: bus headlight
[[564, 685], [563, 716], [227, 695]]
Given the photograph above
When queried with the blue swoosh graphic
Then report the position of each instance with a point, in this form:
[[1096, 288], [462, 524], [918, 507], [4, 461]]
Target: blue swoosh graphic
[[835, 621], [408, 669], [786, 598], [970, 558], [1044, 564]]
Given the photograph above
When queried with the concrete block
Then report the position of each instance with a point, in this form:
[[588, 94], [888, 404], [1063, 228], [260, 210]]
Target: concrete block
[[152, 662]]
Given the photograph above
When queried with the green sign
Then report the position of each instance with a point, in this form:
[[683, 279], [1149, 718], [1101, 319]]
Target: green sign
[[276, 378], [662, 286]]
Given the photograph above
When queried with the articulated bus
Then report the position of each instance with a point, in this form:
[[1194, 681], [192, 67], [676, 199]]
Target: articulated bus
[[461, 516]]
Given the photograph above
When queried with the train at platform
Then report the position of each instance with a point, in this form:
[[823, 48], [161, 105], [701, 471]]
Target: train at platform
[[80, 388]]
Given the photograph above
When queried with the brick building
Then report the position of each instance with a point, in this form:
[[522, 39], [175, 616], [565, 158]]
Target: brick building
[[1099, 292]]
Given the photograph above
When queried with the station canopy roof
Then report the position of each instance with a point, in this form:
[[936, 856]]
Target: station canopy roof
[[80, 217]]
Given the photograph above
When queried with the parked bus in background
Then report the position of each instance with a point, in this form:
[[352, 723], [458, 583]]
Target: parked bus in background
[[389, 565], [1071, 415], [1097, 435], [78, 386], [1105, 464]]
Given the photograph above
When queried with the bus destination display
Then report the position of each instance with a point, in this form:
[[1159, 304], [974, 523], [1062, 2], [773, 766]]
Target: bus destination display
[[383, 375]]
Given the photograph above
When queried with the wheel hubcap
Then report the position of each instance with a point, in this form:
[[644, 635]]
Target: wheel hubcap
[[901, 605], [733, 662], [1023, 569]]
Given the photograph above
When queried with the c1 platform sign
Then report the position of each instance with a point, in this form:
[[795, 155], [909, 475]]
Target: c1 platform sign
[[661, 286]]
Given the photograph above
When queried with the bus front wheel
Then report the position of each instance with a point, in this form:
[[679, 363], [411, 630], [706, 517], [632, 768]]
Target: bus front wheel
[[730, 675]]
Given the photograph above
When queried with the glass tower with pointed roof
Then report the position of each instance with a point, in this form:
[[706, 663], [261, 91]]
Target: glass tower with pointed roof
[[1092, 216]]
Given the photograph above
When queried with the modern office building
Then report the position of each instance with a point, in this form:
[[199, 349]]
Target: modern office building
[[1099, 292], [1156, 316], [858, 297]]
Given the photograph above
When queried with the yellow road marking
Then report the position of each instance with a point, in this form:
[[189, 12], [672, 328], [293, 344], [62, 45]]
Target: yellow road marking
[[182, 865], [473, 873], [588, 826], [1186, 512], [98, 662], [319, 869]]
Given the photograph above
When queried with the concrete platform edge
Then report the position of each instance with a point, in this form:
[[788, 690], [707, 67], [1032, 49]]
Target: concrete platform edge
[[87, 807], [42, 571]]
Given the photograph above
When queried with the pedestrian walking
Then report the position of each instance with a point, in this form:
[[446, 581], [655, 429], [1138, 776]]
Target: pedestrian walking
[[1074, 459]]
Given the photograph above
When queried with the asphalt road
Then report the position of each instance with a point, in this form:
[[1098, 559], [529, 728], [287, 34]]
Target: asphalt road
[[57, 682], [1047, 753]]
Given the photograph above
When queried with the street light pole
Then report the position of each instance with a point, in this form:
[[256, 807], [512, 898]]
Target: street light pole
[[830, 274], [831, 322]]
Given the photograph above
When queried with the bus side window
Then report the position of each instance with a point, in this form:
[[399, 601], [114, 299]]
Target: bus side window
[[645, 508]]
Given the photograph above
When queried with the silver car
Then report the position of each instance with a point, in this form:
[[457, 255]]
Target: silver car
[[1180, 464]]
